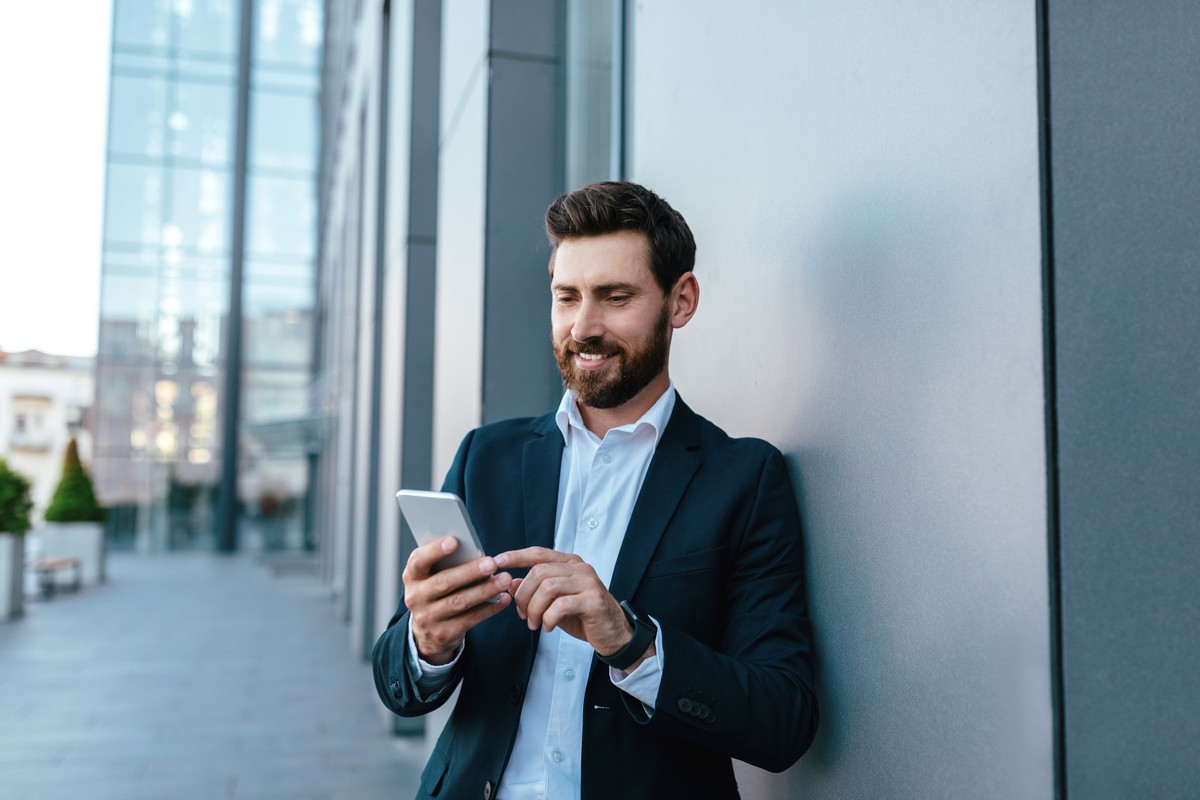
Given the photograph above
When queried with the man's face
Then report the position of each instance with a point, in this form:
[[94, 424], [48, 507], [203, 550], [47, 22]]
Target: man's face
[[610, 321]]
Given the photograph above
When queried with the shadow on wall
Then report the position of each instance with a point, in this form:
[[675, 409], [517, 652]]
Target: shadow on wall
[[903, 478]]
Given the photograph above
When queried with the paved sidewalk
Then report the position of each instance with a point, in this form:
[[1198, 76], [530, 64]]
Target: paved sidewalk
[[192, 676]]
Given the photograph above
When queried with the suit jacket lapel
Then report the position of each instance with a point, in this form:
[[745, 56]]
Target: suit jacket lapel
[[675, 462], [541, 463]]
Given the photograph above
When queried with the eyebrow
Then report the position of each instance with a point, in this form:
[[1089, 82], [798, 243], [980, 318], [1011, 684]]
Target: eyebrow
[[604, 288]]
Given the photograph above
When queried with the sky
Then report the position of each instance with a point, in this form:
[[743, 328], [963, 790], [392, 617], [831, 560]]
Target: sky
[[54, 65]]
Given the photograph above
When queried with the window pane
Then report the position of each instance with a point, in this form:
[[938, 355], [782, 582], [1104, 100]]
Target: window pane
[[208, 26], [590, 26], [278, 324], [199, 212], [269, 394], [200, 122], [141, 23], [283, 131], [189, 328], [289, 32], [282, 216], [138, 118], [133, 204], [127, 298]]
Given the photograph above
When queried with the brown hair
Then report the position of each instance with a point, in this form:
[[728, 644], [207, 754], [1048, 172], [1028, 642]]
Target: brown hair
[[612, 206]]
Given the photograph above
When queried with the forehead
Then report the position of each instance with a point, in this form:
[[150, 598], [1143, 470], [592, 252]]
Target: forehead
[[621, 257]]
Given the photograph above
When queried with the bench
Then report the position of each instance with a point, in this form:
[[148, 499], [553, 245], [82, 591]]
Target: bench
[[48, 570]]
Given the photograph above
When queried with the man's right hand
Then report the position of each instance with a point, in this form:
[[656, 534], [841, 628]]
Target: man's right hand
[[445, 605]]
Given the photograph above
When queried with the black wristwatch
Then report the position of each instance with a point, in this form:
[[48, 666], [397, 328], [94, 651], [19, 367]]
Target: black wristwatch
[[644, 632]]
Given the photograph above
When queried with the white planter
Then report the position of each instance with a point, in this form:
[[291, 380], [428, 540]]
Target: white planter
[[12, 576], [82, 540]]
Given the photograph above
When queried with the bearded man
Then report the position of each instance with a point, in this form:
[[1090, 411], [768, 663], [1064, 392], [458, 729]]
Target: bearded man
[[658, 626]]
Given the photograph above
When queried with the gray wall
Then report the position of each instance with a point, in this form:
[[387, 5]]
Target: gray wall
[[863, 183], [1124, 115]]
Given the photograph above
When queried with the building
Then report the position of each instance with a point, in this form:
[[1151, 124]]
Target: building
[[948, 264], [207, 272], [45, 400]]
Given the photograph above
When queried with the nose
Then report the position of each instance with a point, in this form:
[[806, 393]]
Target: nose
[[588, 323]]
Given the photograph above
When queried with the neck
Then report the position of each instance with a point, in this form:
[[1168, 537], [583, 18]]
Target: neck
[[601, 420]]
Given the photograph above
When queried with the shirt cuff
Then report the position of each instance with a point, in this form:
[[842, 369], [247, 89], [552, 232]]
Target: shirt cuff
[[642, 682], [428, 678]]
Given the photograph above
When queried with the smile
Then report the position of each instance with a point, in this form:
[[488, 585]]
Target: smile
[[591, 360]]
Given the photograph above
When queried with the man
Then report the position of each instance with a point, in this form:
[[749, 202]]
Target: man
[[623, 494]]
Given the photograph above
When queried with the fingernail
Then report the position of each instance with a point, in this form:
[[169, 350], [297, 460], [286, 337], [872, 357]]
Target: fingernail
[[487, 566], [502, 559], [503, 580], [447, 544]]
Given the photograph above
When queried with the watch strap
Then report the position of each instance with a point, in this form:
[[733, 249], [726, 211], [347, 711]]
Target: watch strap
[[644, 632]]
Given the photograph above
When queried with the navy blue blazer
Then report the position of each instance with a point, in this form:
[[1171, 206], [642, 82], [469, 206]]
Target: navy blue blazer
[[713, 552]]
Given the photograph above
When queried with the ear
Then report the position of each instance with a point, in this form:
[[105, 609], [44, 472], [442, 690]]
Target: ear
[[685, 296]]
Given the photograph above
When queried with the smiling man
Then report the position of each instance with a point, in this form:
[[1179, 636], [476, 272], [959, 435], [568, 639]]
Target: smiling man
[[653, 563]]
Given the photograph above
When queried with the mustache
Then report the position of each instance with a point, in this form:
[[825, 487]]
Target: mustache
[[591, 347]]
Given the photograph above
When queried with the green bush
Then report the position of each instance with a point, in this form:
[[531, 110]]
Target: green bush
[[75, 499], [15, 502]]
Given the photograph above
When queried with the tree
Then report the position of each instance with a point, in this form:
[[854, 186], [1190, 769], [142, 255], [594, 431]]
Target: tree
[[75, 498], [15, 502]]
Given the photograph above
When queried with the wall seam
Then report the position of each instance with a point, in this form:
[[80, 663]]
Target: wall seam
[[1049, 371]]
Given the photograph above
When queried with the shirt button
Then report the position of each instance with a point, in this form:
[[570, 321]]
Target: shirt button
[[569, 674], [557, 756], [606, 458], [592, 522]]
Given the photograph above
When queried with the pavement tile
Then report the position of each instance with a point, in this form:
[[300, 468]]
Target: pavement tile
[[193, 676]]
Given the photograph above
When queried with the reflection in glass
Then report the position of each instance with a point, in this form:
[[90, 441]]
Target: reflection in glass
[[142, 24], [590, 157], [275, 138], [199, 203], [132, 204], [200, 122], [208, 26], [282, 216], [138, 114], [167, 257], [274, 394], [278, 324], [289, 32]]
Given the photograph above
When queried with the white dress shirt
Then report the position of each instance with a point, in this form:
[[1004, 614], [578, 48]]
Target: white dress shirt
[[598, 486]]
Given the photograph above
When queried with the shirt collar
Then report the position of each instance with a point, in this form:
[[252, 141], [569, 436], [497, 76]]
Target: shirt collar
[[656, 416]]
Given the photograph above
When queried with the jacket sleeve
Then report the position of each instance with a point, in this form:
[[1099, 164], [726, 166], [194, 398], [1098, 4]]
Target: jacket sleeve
[[748, 693], [390, 658], [394, 681]]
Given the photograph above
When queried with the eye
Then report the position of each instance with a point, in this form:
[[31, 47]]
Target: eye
[[618, 298]]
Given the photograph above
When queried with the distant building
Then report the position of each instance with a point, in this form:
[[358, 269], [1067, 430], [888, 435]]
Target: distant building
[[208, 269], [44, 400]]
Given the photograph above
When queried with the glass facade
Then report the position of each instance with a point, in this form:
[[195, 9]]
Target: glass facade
[[595, 96], [168, 258]]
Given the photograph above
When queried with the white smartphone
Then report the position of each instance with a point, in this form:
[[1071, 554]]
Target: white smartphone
[[432, 515]]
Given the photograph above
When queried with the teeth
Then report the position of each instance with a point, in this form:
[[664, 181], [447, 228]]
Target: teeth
[[590, 356]]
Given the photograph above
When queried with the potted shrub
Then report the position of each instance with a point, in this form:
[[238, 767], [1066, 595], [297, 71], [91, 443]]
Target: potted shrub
[[15, 504], [74, 520]]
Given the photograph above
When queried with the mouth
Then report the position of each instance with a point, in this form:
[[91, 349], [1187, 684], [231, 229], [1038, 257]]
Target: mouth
[[592, 360]]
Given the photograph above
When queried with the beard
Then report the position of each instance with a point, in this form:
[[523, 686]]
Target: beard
[[620, 381]]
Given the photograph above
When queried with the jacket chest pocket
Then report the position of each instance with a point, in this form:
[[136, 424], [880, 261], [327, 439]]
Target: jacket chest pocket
[[701, 561], [683, 591]]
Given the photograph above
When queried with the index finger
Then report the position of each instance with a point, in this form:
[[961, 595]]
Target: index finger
[[531, 556], [422, 560]]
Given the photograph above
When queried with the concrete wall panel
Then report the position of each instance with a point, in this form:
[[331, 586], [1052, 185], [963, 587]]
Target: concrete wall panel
[[1124, 111], [864, 191]]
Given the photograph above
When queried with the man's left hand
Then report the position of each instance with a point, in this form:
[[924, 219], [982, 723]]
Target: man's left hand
[[563, 591]]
